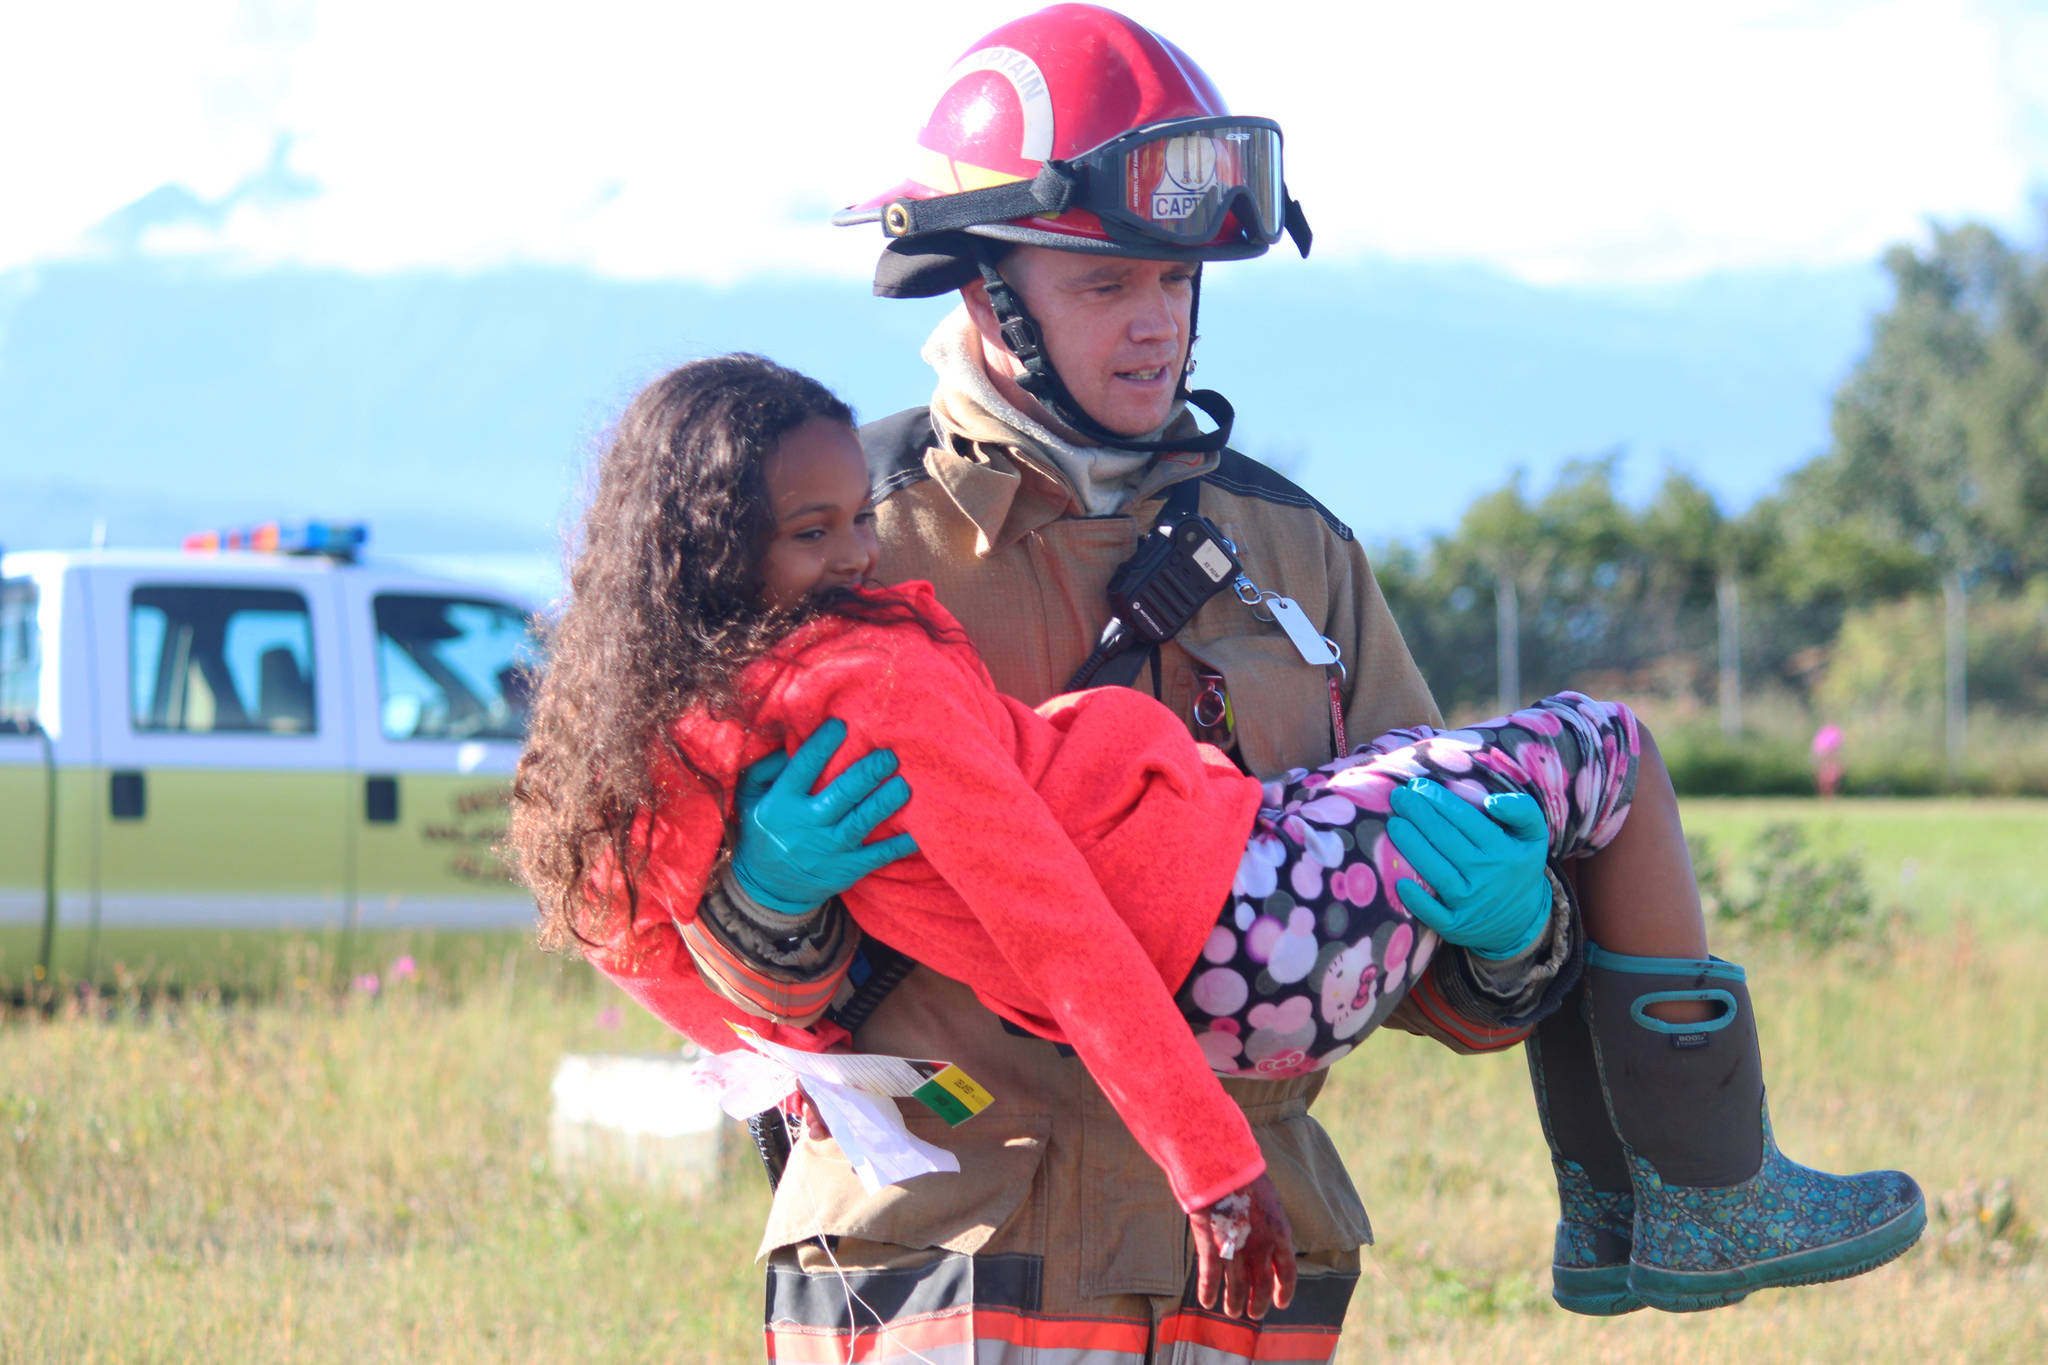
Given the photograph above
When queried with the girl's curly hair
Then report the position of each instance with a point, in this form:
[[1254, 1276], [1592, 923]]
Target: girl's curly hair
[[665, 608]]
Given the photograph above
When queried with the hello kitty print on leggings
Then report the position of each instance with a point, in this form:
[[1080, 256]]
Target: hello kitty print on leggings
[[1313, 951]]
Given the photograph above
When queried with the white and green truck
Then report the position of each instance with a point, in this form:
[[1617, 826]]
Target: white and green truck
[[206, 753]]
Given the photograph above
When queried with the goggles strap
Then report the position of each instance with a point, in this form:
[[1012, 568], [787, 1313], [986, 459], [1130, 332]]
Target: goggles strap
[[1297, 223], [1043, 382], [1048, 193]]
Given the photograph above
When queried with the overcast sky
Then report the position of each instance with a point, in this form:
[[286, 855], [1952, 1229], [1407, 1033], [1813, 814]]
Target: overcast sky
[[1568, 142]]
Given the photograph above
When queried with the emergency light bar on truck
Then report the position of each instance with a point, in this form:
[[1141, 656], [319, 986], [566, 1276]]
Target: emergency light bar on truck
[[339, 540]]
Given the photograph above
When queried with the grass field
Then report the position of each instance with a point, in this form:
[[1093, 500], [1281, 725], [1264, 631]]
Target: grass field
[[364, 1178]]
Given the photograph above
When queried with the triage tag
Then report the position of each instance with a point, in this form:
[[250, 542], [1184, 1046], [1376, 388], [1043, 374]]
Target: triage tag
[[1308, 641], [941, 1087], [951, 1094]]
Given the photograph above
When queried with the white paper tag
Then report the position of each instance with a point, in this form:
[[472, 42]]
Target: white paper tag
[[1308, 641]]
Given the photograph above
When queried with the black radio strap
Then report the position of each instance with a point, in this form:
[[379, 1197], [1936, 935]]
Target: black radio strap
[[1182, 500]]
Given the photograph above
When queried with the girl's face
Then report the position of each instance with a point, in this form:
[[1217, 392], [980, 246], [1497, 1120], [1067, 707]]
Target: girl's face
[[824, 520]]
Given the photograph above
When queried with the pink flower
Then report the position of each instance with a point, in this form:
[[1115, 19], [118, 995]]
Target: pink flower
[[611, 1018], [404, 968], [1827, 739], [366, 984]]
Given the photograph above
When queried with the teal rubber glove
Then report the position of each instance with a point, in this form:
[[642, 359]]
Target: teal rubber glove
[[1492, 895], [797, 849]]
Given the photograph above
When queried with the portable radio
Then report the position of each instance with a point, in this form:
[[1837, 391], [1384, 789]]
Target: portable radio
[[1158, 590]]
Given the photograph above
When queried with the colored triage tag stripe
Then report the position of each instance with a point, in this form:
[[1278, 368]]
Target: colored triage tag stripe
[[953, 1095], [941, 1087]]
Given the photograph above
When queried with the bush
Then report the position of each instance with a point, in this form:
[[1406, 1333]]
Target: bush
[[1706, 763], [1892, 655], [1786, 888], [1887, 754]]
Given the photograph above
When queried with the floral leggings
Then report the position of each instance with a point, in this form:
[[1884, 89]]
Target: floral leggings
[[1313, 950]]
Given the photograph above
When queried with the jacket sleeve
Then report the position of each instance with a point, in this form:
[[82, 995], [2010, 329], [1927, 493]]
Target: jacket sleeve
[[991, 837], [649, 952], [783, 968]]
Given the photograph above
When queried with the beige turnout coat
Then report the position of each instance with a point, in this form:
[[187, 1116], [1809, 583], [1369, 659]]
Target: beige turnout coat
[[1048, 1169]]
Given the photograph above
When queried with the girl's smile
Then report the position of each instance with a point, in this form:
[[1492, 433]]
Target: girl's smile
[[824, 519]]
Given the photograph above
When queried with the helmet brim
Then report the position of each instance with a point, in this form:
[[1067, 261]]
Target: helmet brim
[[939, 263], [926, 267]]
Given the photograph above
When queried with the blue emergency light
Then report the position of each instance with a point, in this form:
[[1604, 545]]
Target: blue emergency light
[[334, 539]]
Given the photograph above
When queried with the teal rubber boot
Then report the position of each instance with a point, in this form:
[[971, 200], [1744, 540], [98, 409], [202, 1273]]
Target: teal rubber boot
[[1596, 1201], [1720, 1211]]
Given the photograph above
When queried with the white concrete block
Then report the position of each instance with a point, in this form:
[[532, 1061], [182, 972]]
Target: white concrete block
[[632, 1118]]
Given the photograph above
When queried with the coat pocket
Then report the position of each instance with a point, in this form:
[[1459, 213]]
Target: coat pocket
[[956, 1210], [1315, 1189]]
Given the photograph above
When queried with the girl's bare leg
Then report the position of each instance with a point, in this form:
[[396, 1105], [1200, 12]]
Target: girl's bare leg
[[1638, 894]]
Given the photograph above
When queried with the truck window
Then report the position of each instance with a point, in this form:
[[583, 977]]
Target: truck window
[[451, 667], [221, 661], [21, 661]]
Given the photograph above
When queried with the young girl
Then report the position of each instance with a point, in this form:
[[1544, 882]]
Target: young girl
[[1099, 878]]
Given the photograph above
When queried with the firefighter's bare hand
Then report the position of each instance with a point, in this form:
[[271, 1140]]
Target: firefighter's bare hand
[[1244, 1252]]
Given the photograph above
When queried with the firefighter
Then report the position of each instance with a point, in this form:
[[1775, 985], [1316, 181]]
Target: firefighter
[[1075, 177]]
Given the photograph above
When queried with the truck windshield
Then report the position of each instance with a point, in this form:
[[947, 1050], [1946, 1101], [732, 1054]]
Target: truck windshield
[[451, 667], [20, 656]]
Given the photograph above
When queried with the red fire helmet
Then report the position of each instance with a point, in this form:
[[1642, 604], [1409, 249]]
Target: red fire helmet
[[1078, 129]]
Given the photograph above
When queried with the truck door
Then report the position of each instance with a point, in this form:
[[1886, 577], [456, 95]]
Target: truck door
[[27, 782], [224, 792], [434, 752]]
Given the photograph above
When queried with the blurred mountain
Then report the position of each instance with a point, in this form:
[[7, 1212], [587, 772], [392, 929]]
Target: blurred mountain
[[456, 413]]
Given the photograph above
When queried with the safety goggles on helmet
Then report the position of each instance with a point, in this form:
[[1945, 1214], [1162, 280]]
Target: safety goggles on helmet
[[1178, 183]]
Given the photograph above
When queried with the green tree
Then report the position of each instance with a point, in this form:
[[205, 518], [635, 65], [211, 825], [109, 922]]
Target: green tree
[[1939, 461]]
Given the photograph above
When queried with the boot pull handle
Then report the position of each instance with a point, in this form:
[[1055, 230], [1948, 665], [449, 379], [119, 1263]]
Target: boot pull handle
[[1651, 1022]]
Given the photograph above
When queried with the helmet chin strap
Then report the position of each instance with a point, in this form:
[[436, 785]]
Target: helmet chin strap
[[1043, 382]]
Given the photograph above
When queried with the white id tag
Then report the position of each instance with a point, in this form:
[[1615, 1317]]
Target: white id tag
[[1308, 641]]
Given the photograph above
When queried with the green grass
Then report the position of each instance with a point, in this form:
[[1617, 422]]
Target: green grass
[[1944, 862], [365, 1179]]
